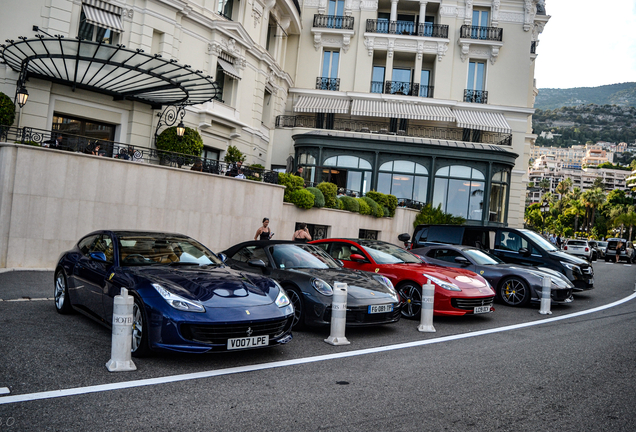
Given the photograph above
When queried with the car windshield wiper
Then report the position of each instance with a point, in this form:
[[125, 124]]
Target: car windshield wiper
[[182, 263]]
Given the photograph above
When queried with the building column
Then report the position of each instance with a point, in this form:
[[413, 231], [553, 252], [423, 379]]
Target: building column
[[431, 182], [422, 11], [388, 72], [485, 217], [394, 10], [417, 71]]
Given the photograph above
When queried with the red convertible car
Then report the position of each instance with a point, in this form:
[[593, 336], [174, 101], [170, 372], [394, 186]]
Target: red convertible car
[[457, 291]]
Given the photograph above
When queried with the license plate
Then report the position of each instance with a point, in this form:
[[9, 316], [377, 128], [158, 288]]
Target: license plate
[[591, 281], [374, 309], [481, 309], [247, 342]]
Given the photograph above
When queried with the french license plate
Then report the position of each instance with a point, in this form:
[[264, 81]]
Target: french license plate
[[247, 342], [481, 309], [374, 309]]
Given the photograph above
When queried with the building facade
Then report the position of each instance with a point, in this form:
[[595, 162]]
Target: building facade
[[428, 100]]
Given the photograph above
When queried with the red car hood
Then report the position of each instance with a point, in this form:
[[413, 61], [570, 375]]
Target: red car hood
[[464, 279]]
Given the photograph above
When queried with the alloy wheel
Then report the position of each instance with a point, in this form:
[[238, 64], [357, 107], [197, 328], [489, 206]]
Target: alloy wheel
[[412, 297], [296, 301], [515, 292]]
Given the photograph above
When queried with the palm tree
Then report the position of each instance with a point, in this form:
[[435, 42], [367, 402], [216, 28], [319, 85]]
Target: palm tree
[[592, 199], [616, 214], [576, 208], [627, 219], [544, 184]]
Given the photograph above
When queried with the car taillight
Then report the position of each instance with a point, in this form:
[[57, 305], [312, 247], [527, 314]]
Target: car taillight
[[587, 249], [565, 248]]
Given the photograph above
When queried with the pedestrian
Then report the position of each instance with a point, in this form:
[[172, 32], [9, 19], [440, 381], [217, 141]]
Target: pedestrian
[[302, 234], [264, 232], [559, 241], [553, 239], [299, 172], [619, 245]]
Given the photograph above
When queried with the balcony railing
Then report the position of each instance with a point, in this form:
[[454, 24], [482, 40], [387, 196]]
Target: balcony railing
[[407, 28], [377, 86], [426, 91], [328, 84], [333, 21], [481, 33], [476, 96], [401, 88], [413, 129], [117, 150]]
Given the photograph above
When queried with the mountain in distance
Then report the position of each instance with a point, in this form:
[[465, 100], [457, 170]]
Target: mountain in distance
[[623, 94]]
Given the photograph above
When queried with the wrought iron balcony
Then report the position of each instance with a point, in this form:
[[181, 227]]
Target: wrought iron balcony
[[328, 84], [333, 21], [433, 30], [384, 127], [476, 96], [401, 88], [407, 28], [426, 91], [377, 86], [481, 33]]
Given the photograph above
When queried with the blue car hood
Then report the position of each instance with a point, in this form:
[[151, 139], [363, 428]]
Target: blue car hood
[[214, 287]]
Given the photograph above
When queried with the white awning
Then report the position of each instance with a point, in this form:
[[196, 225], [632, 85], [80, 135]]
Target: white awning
[[102, 14], [229, 69], [316, 104], [482, 120], [394, 109]]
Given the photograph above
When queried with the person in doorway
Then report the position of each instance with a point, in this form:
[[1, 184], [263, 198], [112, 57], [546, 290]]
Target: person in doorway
[[264, 232], [302, 234]]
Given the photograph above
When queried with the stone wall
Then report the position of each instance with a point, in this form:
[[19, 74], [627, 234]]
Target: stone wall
[[51, 198]]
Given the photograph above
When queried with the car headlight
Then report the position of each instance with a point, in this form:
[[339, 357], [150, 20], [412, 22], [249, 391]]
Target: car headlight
[[446, 285], [571, 266], [177, 301], [322, 287], [282, 300], [386, 282]]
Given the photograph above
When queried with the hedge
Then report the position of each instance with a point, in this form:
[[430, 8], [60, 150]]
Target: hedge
[[319, 198], [365, 209], [350, 204], [302, 198], [385, 200], [329, 191], [376, 210], [292, 183]]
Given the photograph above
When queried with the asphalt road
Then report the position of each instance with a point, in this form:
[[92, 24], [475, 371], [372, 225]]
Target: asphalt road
[[511, 370]]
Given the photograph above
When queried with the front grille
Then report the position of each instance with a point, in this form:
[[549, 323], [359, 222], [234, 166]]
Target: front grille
[[561, 295], [360, 315], [218, 334], [471, 303]]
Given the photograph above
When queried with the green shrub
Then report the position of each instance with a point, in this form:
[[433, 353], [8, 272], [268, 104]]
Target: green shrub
[[33, 143], [190, 143], [364, 207], [319, 198], [257, 172], [385, 211], [302, 198], [376, 210], [350, 204], [378, 197], [329, 191], [233, 155], [392, 203], [292, 183], [7, 110], [435, 215], [340, 204]]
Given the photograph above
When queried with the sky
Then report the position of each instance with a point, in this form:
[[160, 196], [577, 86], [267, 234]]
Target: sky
[[587, 43]]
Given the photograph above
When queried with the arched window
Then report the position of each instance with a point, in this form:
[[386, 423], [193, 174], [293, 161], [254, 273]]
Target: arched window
[[353, 173], [460, 191], [498, 196], [404, 179]]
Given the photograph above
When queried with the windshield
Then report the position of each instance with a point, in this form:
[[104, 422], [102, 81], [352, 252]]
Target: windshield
[[540, 241], [602, 244], [301, 256], [145, 250], [482, 258], [577, 243], [387, 253]]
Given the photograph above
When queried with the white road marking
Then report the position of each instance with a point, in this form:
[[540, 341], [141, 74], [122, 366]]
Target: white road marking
[[4, 390], [241, 369], [28, 299]]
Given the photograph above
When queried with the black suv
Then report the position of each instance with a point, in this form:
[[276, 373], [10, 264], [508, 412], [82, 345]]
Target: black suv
[[515, 246]]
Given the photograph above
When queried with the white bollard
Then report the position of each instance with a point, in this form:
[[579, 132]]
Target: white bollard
[[546, 299], [338, 315], [426, 313], [120, 358]]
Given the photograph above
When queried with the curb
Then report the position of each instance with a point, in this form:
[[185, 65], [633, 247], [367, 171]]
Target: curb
[[8, 270]]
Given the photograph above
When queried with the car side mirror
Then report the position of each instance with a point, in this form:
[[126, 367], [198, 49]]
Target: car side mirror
[[98, 256], [257, 263], [404, 237], [524, 252], [222, 257], [357, 258], [462, 260]]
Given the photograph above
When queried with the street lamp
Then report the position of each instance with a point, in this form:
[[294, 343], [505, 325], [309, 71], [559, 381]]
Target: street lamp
[[545, 207], [180, 129], [22, 96]]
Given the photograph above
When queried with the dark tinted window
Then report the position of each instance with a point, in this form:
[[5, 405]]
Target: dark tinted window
[[104, 244], [447, 255], [446, 234], [249, 253], [85, 244], [512, 241]]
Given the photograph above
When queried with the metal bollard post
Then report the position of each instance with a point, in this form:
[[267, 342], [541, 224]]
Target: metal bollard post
[[426, 313], [120, 358], [338, 315], [546, 300]]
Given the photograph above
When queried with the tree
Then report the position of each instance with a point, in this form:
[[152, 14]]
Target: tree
[[592, 199], [233, 155], [598, 183], [576, 209], [7, 110], [544, 184], [627, 219]]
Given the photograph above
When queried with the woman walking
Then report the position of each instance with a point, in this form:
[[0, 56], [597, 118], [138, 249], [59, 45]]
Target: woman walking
[[302, 234], [264, 232]]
